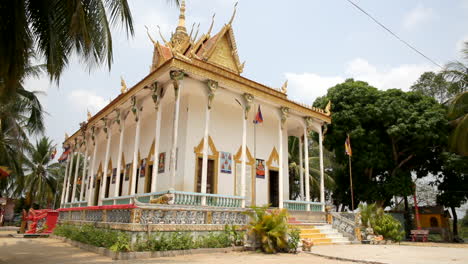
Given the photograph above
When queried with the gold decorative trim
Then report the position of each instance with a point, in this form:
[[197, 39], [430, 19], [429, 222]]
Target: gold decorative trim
[[273, 156], [249, 161]]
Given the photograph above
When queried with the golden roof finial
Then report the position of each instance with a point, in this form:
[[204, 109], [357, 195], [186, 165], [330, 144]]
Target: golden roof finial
[[66, 136], [233, 14], [212, 23], [162, 37], [149, 36], [284, 88], [328, 108], [181, 25], [123, 85], [88, 114]]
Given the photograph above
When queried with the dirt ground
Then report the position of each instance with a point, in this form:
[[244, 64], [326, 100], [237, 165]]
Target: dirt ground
[[49, 251]]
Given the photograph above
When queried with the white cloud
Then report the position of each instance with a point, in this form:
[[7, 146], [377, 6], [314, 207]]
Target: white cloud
[[306, 87], [402, 76], [83, 99], [417, 16]]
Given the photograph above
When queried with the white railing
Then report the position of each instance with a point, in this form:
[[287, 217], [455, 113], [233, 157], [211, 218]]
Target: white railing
[[294, 205], [180, 198], [75, 204]]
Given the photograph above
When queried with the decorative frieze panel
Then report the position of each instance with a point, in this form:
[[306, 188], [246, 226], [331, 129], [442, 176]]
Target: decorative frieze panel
[[94, 215], [118, 216]]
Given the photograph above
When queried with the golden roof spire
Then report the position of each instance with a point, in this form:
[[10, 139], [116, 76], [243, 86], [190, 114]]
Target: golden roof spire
[[181, 26]]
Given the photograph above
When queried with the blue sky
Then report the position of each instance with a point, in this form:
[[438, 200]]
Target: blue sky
[[314, 44]]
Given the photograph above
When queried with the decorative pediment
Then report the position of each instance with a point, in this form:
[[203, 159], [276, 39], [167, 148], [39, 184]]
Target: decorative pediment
[[221, 50], [273, 160], [211, 147], [238, 157]]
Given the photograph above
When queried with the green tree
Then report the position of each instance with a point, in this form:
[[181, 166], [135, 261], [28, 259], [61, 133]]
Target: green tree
[[329, 165], [56, 29], [436, 86], [458, 116], [452, 183], [40, 181], [393, 133]]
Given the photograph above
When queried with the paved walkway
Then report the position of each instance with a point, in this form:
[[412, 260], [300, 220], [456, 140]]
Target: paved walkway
[[397, 254]]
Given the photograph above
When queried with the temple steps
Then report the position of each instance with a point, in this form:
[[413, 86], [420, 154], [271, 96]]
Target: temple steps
[[320, 233]]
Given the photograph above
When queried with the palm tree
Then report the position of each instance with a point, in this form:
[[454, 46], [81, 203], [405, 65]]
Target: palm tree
[[55, 30], [457, 73], [314, 168], [40, 180], [458, 116]]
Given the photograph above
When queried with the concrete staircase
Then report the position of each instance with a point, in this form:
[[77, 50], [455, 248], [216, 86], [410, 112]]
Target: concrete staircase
[[317, 230]]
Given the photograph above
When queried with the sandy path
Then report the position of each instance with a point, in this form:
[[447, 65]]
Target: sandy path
[[49, 251]]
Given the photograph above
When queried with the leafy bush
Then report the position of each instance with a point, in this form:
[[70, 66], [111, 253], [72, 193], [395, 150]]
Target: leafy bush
[[88, 234], [269, 227], [235, 236], [119, 241], [293, 240], [382, 223], [122, 243]]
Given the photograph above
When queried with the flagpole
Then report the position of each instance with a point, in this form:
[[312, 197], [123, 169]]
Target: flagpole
[[351, 183]]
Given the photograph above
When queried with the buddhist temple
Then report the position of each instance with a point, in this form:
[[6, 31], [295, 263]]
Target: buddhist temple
[[196, 128]]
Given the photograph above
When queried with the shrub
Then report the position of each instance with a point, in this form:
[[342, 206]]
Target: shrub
[[88, 234], [235, 236], [293, 240], [269, 227], [382, 223]]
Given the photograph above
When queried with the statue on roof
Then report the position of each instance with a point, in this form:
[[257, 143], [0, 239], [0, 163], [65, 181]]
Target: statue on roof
[[123, 85], [328, 108], [89, 115], [284, 88]]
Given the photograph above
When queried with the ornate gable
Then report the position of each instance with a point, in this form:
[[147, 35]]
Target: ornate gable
[[221, 51]]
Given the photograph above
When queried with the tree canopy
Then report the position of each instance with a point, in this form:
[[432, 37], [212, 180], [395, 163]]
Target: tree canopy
[[393, 133]]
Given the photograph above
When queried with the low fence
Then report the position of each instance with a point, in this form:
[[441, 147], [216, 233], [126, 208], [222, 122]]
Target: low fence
[[346, 223], [179, 198], [154, 215], [294, 205]]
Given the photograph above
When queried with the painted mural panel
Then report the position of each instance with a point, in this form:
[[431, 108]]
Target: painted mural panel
[[226, 162]]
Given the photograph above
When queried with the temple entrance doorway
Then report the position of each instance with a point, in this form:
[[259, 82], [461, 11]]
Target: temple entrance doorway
[[273, 186], [209, 176], [121, 179], [96, 193], [149, 179], [108, 183]]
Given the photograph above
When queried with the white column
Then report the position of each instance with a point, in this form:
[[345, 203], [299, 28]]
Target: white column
[[135, 155], [322, 182], [243, 158], [281, 165], [65, 178], [177, 77], [205, 155], [70, 169], [301, 170], [119, 157], [77, 166], [93, 164], [157, 140], [106, 164], [83, 176], [306, 158]]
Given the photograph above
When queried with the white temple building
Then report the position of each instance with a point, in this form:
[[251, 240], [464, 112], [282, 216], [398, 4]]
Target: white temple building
[[187, 128]]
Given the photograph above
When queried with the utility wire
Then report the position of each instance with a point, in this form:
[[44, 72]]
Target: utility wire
[[395, 35]]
